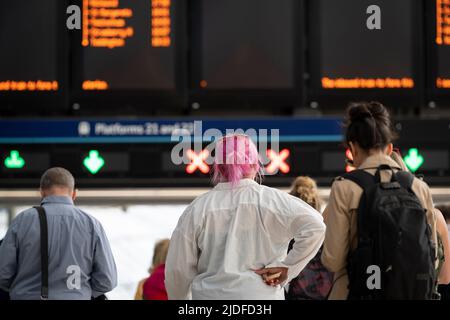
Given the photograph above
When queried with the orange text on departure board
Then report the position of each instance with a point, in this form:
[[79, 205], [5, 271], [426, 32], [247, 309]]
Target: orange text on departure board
[[362, 83], [443, 22], [442, 83], [38, 85], [161, 23], [105, 24], [95, 85]]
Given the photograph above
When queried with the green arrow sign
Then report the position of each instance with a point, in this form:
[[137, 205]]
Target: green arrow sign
[[94, 162], [14, 161], [413, 160]]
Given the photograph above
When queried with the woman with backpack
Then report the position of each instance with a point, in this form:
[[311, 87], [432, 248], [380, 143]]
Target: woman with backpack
[[369, 137]]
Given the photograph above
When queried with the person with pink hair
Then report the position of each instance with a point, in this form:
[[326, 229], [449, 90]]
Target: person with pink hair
[[231, 242]]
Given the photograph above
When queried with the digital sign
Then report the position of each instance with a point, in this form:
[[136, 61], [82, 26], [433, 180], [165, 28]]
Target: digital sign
[[278, 161], [277, 54], [29, 50], [141, 153], [245, 44], [197, 162], [364, 44], [443, 44], [128, 45], [18, 161]]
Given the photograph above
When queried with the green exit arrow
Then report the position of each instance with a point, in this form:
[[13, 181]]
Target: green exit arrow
[[413, 160], [14, 161], [94, 162]]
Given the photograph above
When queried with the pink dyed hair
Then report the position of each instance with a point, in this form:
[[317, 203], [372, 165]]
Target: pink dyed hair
[[236, 157]]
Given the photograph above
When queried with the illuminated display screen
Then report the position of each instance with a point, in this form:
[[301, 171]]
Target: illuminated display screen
[[28, 37], [246, 44], [16, 161], [153, 164], [443, 43], [354, 55], [128, 45]]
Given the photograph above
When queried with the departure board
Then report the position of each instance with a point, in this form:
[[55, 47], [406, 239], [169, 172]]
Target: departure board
[[362, 48], [128, 45], [443, 43], [245, 44], [29, 44]]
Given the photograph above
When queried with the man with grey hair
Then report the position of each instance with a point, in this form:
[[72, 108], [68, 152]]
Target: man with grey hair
[[80, 262]]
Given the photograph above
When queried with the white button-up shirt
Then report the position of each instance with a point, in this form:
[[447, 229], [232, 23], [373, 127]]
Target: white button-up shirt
[[228, 232]]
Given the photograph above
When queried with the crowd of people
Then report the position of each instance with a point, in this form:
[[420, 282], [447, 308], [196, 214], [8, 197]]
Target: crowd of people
[[379, 237]]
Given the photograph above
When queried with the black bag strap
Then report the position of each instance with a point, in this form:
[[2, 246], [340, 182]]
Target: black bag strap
[[405, 179], [361, 177], [365, 181], [44, 252], [385, 167]]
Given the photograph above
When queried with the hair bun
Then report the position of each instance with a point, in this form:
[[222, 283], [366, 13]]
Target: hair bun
[[379, 112], [369, 125], [360, 112]]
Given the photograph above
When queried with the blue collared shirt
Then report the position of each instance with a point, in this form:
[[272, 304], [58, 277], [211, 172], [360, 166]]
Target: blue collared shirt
[[81, 264]]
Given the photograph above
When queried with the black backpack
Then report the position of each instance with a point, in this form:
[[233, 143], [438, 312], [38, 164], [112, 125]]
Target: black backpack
[[394, 240]]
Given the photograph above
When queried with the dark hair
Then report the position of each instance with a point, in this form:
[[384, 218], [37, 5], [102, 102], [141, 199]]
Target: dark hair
[[368, 124], [445, 209]]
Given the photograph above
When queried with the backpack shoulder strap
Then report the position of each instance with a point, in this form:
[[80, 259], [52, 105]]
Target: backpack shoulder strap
[[405, 179], [44, 252], [365, 181], [361, 177]]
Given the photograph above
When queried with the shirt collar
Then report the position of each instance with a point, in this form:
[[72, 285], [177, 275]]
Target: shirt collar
[[57, 199], [240, 184], [373, 162]]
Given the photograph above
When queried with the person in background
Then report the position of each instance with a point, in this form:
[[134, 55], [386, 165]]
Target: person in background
[[445, 210], [315, 281], [444, 289], [153, 288], [442, 232], [369, 137], [81, 264], [4, 295], [231, 242]]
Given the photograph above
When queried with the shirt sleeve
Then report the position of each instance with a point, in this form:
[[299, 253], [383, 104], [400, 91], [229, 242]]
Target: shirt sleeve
[[182, 259], [307, 228], [9, 252], [337, 239], [104, 272]]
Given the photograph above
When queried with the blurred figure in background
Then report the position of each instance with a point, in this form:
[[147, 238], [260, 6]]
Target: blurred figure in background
[[442, 229], [153, 288], [445, 209], [4, 295], [444, 289], [231, 242], [315, 281]]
